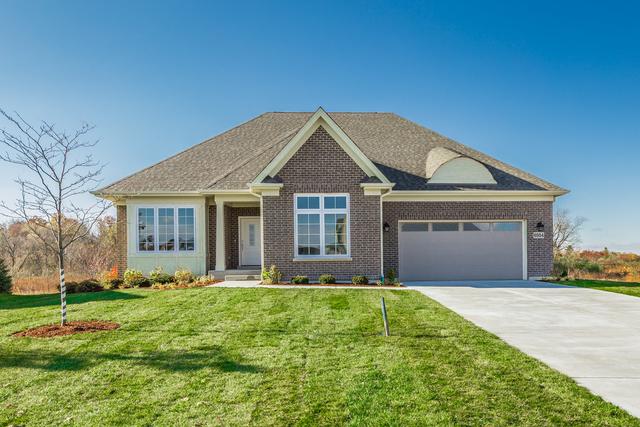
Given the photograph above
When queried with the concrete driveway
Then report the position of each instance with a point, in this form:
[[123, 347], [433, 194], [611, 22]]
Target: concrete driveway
[[592, 336]]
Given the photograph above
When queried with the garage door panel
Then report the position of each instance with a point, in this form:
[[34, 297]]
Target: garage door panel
[[460, 255]]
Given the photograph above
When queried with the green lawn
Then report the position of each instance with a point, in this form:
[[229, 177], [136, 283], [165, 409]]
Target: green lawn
[[627, 288], [218, 356]]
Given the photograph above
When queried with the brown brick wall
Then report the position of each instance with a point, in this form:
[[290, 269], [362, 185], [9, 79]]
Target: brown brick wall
[[121, 239], [539, 251], [321, 166]]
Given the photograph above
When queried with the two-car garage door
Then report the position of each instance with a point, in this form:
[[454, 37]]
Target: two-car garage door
[[461, 250]]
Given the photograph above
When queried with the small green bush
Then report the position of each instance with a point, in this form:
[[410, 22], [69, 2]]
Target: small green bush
[[89, 285], [183, 276], [157, 275], [271, 276], [134, 278], [327, 279], [300, 280], [360, 280], [5, 278], [391, 278]]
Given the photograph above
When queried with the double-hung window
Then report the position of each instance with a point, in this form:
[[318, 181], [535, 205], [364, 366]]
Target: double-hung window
[[322, 225], [166, 229]]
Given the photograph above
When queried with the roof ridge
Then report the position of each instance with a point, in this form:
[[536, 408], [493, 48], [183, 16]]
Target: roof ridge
[[179, 153]]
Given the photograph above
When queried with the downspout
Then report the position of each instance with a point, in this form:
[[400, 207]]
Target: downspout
[[382, 233]]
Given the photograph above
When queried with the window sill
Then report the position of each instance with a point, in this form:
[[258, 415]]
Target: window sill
[[322, 259]]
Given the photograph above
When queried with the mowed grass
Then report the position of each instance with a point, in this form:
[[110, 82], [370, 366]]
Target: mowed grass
[[627, 288], [215, 356]]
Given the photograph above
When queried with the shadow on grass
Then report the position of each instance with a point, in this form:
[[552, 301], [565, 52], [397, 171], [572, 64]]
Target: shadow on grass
[[13, 302], [169, 361]]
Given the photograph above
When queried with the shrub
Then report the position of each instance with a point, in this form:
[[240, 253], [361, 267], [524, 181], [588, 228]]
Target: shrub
[[327, 279], [157, 275], [89, 285], [183, 276], [360, 280], [391, 277], [109, 279], [560, 268], [134, 278], [300, 280], [271, 276], [5, 278]]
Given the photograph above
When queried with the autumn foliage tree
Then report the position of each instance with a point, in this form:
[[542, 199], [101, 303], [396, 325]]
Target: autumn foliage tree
[[59, 169]]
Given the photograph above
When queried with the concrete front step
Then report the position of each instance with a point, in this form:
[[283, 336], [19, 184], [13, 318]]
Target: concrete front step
[[236, 274]]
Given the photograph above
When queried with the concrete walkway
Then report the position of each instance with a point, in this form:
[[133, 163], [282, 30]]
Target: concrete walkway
[[592, 336]]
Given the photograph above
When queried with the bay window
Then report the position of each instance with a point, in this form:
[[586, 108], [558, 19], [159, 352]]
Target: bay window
[[321, 225], [166, 229]]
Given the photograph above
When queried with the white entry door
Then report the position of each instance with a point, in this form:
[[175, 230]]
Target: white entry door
[[250, 240]]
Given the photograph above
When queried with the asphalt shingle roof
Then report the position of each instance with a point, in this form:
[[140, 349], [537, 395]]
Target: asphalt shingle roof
[[234, 158]]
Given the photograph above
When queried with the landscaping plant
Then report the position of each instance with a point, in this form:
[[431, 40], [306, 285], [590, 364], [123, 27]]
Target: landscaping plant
[[183, 276], [391, 277], [300, 280], [157, 275], [5, 278], [360, 280], [327, 279], [271, 276], [134, 278]]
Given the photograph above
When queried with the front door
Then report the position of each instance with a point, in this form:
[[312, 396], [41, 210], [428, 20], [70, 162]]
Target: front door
[[250, 241]]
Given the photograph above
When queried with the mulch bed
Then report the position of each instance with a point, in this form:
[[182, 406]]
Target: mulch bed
[[340, 285], [70, 328]]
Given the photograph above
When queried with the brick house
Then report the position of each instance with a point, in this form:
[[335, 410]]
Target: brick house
[[340, 193]]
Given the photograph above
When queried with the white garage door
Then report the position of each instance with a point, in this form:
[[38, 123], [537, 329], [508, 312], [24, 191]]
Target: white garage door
[[460, 250]]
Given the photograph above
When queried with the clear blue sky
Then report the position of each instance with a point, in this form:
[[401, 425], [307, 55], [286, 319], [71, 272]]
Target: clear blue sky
[[553, 89]]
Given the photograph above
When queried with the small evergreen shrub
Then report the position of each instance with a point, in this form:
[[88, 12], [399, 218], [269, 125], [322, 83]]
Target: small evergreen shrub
[[327, 279], [5, 278], [360, 280], [157, 275], [300, 280], [271, 276], [391, 278], [134, 278], [89, 285], [183, 276]]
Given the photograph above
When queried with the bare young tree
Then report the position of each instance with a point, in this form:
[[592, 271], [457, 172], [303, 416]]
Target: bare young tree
[[566, 229], [61, 171]]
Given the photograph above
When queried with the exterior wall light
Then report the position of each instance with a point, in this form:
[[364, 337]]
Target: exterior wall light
[[540, 226], [386, 227]]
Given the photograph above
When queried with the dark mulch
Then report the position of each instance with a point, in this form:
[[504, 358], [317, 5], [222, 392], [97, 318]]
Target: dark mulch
[[70, 328], [341, 285]]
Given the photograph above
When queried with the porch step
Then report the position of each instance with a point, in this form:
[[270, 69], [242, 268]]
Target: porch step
[[236, 274], [229, 277]]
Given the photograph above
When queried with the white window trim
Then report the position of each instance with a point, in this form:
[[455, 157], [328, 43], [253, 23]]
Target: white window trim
[[175, 251], [321, 211]]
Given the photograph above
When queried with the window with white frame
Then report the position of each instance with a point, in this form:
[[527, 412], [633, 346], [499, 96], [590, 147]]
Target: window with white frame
[[322, 225], [166, 229]]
